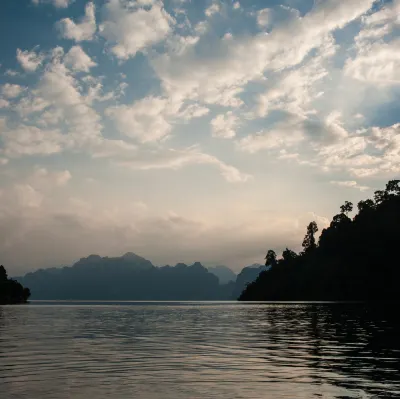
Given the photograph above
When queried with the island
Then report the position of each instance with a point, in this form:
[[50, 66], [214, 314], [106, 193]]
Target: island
[[11, 291]]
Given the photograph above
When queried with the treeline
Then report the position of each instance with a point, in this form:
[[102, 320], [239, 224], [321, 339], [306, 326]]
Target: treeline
[[354, 259], [11, 291]]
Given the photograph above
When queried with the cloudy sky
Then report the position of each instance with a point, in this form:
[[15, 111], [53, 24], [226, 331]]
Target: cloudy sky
[[190, 130]]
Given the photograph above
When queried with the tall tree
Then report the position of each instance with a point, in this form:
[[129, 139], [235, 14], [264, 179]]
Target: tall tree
[[309, 239], [270, 259]]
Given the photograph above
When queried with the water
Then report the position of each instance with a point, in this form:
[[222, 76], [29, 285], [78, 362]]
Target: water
[[198, 350]]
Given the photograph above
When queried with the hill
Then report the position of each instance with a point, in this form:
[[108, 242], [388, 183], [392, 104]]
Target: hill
[[129, 277], [354, 259], [224, 274]]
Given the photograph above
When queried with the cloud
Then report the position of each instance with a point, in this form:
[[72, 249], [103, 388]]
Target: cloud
[[80, 31], [130, 29], [29, 140], [144, 120], [376, 64], [151, 118], [176, 159], [349, 184], [264, 17], [29, 60], [44, 180], [11, 90], [77, 60], [224, 125], [212, 9], [27, 196], [55, 3], [4, 103], [221, 77]]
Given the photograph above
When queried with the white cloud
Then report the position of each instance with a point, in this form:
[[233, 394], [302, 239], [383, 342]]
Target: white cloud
[[29, 140], [221, 77], [224, 125], [130, 29], [11, 90], [29, 60], [376, 64], [10, 72], [145, 120], [4, 103], [349, 184], [80, 31], [212, 9], [176, 159], [150, 119], [77, 60], [55, 3], [264, 17]]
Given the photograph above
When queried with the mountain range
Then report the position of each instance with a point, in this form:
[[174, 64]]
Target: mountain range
[[132, 277]]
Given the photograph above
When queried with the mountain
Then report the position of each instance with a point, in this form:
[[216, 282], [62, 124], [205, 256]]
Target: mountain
[[355, 259], [224, 274], [129, 277]]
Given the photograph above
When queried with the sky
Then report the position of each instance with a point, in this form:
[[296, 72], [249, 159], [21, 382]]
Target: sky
[[190, 130]]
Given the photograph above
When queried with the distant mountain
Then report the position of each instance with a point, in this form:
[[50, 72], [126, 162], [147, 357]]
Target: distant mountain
[[129, 277], [247, 276], [224, 274]]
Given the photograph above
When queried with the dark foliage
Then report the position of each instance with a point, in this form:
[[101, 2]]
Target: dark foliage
[[11, 291], [355, 259]]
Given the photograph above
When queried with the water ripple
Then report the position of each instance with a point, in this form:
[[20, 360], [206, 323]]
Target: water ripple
[[198, 350]]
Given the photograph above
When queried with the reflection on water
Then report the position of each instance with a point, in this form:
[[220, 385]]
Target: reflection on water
[[199, 350]]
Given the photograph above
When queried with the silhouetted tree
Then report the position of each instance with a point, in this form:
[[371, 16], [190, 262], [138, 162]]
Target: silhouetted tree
[[288, 255], [309, 239], [366, 205], [270, 259], [346, 208], [3, 273], [11, 291]]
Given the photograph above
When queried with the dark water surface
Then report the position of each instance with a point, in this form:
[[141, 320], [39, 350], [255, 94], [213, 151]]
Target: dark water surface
[[199, 350]]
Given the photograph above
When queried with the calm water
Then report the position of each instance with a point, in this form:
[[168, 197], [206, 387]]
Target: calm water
[[199, 350]]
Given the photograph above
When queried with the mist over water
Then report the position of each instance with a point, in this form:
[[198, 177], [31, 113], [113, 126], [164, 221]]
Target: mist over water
[[199, 350]]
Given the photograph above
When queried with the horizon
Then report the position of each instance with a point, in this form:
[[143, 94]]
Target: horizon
[[190, 131]]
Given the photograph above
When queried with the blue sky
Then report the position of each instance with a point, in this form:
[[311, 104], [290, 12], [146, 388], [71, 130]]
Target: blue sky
[[190, 130]]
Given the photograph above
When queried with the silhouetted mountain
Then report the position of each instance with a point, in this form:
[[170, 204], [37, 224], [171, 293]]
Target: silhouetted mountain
[[224, 274], [355, 259], [129, 277], [246, 276], [11, 291]]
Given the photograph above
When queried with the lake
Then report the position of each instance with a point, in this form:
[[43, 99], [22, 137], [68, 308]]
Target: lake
[[199, 350]]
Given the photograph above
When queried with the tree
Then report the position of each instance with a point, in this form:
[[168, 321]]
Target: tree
[[393, 187], [3, 273], [288, 255], [365, 205], [270, 259], [309, 239], [346, 208]]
